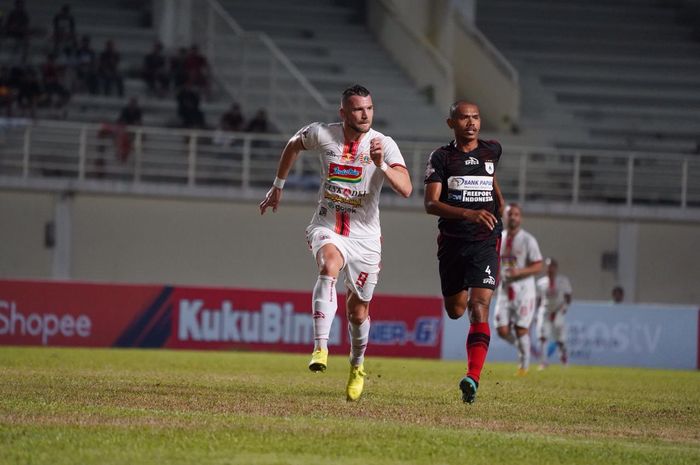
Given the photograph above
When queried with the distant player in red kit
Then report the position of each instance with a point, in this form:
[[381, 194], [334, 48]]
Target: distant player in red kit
[[461, 189], [345, 234]]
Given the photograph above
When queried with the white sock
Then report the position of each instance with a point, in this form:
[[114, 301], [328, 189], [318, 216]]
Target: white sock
[[524, 351], [324, 306], [543, 351], [359, 336]]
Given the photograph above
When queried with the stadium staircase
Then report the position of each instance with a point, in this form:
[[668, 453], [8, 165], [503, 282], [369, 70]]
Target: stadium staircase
[[330, 44], [602, 74]]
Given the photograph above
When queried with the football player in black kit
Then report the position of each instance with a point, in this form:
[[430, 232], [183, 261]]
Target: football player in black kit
[[461, 189]]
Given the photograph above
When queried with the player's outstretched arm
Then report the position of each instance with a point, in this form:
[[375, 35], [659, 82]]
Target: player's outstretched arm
[[287, 159], [433, 206]]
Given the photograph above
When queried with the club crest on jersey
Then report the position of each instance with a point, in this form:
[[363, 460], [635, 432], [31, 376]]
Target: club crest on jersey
[[489, 167], [471, 161], [344, 173], [365, 158]]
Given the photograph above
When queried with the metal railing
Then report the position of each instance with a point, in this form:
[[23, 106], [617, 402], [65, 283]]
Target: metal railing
[[254, 71], [120, 158]]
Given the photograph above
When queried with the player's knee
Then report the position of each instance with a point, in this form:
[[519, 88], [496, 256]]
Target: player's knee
[[455, 311], [503, 331], [330, 266], [358, 310]]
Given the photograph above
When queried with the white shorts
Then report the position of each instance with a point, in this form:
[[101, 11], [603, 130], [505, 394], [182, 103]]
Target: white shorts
[[517, 309], [551, 326], [361, 258]]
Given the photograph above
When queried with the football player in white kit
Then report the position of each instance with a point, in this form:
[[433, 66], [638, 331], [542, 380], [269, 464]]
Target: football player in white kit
[[344, 233], [554, 297], [516, 296]]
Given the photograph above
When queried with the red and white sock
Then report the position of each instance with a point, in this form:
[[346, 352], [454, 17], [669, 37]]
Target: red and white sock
[[324, 306], [359, 336]]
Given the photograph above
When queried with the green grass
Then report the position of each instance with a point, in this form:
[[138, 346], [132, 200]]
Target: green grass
[[85, 406]]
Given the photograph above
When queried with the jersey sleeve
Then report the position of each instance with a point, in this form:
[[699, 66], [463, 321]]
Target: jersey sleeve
[[310, 135], [392, 154], [566, 286], [435, 169], [495, 148], [533, 251]]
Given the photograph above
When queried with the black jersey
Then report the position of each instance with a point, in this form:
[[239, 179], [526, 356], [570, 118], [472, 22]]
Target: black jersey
[[467, 182]]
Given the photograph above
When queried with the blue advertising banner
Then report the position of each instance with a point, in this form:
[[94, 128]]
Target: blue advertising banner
[[654, 336]]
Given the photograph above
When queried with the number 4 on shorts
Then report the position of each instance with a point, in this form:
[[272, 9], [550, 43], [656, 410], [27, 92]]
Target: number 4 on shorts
[[488, 269]]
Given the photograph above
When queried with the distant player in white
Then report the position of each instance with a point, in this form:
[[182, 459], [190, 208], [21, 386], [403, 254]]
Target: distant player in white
[[344, 234], [553, 297], [516, 295]]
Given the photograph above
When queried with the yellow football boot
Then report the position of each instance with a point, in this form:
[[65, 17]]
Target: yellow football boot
[[356, 382], [319, 360]]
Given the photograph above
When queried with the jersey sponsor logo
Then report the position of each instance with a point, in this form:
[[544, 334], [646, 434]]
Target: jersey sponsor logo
[[471, 161], [330, 154], [344, 173], [463, 183], [476, 196], [335, 198], [489, 167], [341, 208], [344, 191]]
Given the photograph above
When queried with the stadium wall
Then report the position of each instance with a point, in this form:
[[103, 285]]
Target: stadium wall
[[128, 239]]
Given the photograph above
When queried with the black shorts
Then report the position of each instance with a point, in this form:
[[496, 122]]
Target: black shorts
[[467, 264]]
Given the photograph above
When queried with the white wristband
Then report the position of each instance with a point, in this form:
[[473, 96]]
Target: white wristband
[[384, 166], [278, 183]]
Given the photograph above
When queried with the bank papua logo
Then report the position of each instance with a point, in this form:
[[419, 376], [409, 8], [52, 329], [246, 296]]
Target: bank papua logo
[[344, 173]]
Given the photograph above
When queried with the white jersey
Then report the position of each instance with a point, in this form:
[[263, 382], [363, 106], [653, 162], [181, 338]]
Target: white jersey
[[519, 251], [553, 296], [348, 201]]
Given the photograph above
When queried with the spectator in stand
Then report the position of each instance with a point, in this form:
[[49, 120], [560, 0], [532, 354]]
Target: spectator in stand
[[155, 71], [52, 76], [259, 123], [178, 72], [197, 69], [86, 66], [618, 295], [188, 109], [131, 114], [16, 26], [108, 70], [232, 120], [64, 38], [29, 92], [6, 97]]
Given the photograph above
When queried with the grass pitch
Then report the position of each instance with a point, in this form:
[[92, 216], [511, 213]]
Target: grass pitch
[[88, 406]]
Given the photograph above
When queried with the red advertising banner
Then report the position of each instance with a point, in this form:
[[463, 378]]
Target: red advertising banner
[[105, 315]]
